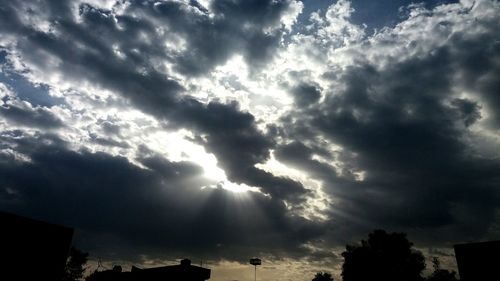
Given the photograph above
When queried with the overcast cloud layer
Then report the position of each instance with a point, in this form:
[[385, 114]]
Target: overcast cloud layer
[[226, 129]]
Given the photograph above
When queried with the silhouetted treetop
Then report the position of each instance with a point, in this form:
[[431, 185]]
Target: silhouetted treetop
[[323, 276], [75, 265], [384, 256], [440, 274]]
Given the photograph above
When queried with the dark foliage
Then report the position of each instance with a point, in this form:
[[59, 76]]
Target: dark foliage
[[383, 256], [323, 276], [93, 276], [441, 274], [75, 265]]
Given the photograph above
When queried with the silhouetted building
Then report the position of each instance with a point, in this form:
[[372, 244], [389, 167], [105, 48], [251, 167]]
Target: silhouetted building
[[478, 261], [182, 272], [32, 249]]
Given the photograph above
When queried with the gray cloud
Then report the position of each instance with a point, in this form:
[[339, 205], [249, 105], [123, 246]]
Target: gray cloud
[[22, 113], [404, 128], [158, 210], [306, 94], [234, 138], [85, 49]]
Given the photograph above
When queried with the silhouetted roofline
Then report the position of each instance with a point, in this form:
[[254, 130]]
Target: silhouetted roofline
[[32, 221], [481, 243], [185, 270]]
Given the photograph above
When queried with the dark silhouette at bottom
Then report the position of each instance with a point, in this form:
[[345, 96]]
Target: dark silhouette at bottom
[[183, 272], [322, 276], [36, 250], [384, 256], [32, 249], [478, 261]]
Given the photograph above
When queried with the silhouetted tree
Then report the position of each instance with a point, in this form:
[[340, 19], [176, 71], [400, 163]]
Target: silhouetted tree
[[93, 276], [75, 265], [323, 276], [388, 257], [441, 274]]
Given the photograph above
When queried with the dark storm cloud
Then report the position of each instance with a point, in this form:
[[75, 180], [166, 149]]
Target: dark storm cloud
[[24, 114], [477, 61], [110, 128], [159, 210], [107, 141], [468, 111], [236, 27], [85, 49], [233, 137], [404, 127], [306, 94], [249, 28]]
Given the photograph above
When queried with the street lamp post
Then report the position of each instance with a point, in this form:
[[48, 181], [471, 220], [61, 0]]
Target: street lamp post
[[255, 262]]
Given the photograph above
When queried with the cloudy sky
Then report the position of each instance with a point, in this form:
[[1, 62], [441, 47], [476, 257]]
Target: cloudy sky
[[226, 129]]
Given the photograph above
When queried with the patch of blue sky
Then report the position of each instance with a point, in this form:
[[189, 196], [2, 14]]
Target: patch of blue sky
[[375, 14], [36, 94]]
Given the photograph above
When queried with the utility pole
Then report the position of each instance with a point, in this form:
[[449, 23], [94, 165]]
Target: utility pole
[[255, 262]]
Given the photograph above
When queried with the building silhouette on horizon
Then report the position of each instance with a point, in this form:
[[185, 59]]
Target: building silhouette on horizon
[[32, 249], [181, 272], [478, 261]]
